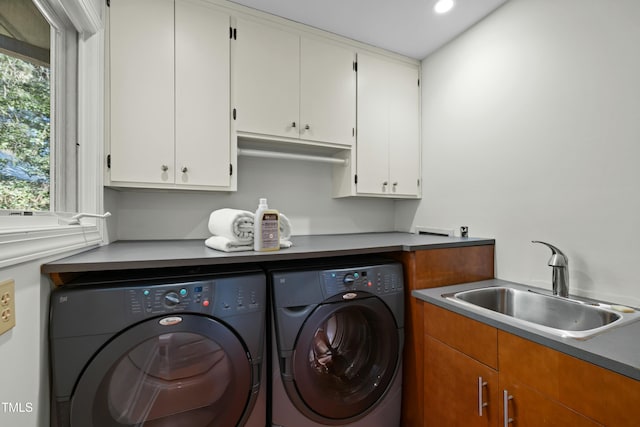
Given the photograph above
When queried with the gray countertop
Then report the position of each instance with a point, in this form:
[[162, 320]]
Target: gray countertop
[[124, 255], [617, 349]]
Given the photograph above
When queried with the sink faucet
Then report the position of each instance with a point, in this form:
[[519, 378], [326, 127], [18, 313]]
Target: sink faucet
[[560, 264]]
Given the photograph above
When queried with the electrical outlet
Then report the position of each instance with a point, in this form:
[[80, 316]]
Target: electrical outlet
[[7, 305]]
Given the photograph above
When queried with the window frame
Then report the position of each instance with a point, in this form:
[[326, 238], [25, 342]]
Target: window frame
[[77, 133]]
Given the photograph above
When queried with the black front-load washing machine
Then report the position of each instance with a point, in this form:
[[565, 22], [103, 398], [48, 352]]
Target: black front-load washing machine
[[159, 352], [338, 335]]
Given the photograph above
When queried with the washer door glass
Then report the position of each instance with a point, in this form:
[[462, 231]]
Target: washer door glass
[[345, 357], [180, 370]]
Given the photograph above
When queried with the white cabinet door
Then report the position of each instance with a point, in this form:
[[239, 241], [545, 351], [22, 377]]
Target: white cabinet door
[[372, 155], [142, 92], [202, 153], [267, 80], [388, 141], [404, 131], [170, 83], [327, 93]]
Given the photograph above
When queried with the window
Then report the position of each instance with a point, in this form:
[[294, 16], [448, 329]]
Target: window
[[61, 41], [24, 134], [25, 108]]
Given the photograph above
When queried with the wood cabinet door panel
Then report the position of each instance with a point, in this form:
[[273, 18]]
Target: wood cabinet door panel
[[452, 393], [598, 393], [530, 408]]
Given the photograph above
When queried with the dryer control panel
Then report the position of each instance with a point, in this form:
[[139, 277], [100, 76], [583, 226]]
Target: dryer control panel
[[377, 279]]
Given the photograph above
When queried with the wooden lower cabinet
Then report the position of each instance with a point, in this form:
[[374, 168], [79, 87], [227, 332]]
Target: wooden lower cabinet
[[460, 391], [431, 268], [530, 385]]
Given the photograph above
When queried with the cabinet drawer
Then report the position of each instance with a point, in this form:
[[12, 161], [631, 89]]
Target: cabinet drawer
[[603, 395], [471, 337]]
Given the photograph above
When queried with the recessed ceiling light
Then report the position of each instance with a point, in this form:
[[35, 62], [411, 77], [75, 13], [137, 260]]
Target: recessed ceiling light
[[443, 6]]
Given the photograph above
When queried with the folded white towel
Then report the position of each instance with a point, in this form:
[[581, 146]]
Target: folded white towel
[[285, 229], [232, 230], [234, 224], [225, 244]]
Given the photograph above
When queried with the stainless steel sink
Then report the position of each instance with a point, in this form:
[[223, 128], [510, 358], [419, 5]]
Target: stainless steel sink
[[560, 316]]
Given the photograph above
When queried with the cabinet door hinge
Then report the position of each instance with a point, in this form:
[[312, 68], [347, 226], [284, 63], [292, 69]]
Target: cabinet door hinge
[[108, 161], [234, 114], [230, 169], [355, 179]]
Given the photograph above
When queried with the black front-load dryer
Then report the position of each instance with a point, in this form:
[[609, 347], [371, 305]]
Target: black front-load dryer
[[337, 350], [159, 353]]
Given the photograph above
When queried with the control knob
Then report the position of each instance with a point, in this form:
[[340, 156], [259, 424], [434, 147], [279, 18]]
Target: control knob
[[171, 299], [348, 279]]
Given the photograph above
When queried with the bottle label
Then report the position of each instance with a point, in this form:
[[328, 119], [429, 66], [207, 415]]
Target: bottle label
[[270, 231]]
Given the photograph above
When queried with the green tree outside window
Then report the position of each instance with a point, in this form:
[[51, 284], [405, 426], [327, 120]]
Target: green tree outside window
[[25, 110]]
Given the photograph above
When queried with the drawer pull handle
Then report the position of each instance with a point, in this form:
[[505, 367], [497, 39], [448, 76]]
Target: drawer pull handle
[[506, 397], [481, 403]]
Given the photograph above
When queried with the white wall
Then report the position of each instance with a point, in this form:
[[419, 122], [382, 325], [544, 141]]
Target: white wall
[[24, 350], [531, 130], [299, 189]]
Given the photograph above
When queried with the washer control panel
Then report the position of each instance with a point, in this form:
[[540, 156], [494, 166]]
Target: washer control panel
[[159, 299], [377, 279], [211, 296]]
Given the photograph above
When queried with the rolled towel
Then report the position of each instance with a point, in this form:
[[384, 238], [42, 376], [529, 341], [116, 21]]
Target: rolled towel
[[234, 224], [225, 244], [285, 232]]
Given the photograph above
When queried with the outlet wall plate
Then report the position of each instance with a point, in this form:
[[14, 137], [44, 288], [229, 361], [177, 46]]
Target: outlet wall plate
[[7, 305]]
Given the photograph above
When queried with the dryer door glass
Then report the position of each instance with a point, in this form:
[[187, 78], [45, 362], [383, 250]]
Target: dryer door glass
[[345, 357], [194, 373]]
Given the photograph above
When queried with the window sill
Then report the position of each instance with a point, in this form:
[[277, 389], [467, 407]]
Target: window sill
[[22, 244]]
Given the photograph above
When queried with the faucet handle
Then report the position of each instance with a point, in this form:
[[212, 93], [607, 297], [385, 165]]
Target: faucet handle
[[558, 258]]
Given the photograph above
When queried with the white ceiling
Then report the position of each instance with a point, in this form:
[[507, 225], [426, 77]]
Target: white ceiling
[[408, 27]]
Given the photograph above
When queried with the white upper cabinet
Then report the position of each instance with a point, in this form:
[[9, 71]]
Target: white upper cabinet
[[266, 74], [188, 79], [291, 86], [388, 143], [169, 95], [327, 92]]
